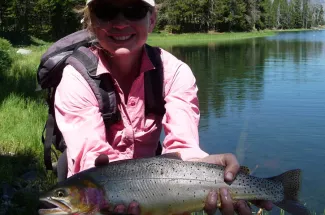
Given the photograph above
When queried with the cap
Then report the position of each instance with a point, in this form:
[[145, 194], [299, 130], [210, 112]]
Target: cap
[[150, 2]]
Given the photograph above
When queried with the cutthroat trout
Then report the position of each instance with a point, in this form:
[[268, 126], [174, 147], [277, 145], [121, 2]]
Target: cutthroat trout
[[165, 186]]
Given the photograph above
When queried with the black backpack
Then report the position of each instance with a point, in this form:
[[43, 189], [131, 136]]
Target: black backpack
[[74, 50]]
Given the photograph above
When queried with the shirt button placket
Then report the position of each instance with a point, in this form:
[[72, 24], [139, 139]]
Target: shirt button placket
[[129, 128]]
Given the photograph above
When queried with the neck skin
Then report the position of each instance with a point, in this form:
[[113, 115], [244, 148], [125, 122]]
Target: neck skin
[[125, 68]]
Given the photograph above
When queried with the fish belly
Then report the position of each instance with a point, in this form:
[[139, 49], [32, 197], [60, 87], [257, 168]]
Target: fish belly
[[159, 196]]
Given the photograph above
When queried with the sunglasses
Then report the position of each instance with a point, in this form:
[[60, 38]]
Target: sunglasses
[[107, 12]]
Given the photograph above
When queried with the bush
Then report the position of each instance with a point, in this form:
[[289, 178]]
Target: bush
[[174, 29], [5, 59]]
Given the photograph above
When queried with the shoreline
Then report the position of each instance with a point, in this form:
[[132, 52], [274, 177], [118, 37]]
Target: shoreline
[[192, 39]]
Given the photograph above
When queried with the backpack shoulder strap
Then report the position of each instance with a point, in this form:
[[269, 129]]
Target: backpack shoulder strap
[[85, 62], [154, 83], [102, 86]]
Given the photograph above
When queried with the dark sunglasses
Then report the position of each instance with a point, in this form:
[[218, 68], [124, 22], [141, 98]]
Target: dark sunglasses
[[107, 12]]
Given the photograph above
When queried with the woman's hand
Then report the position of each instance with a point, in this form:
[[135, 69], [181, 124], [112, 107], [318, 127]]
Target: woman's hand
[[228, 207]]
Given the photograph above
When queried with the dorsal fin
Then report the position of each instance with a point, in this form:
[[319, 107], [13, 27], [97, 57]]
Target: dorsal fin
[[245, 170]]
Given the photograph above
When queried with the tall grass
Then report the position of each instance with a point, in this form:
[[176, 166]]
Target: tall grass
[[164, 39], [22, 117]]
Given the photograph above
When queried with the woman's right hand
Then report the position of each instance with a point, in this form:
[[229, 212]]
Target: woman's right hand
[[133, 209]]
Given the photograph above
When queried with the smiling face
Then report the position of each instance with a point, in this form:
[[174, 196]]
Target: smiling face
[[124, 32]]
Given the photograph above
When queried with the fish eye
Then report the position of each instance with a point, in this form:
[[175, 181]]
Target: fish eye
[[60, 193]]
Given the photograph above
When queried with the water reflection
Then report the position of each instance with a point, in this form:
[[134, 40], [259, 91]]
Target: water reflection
[[263, 99], [231, 74]]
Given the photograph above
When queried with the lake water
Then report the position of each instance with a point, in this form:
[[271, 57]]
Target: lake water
[[264, 100]]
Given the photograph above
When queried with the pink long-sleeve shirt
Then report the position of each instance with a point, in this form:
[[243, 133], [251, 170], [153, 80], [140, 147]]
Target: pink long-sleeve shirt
[[136, 135]]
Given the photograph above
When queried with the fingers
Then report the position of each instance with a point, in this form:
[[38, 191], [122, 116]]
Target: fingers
[[228, 160], [242, 208], [211, 203], [267, 205], [120, 209], [232, 166], [101, 160], [134, 208], [227, 206]]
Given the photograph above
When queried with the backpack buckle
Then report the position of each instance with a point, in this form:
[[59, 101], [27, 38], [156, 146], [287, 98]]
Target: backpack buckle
[[111, 118]]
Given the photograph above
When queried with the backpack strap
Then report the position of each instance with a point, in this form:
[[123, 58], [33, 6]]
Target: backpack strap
[[154, 83], [50, 133], [85, 62]]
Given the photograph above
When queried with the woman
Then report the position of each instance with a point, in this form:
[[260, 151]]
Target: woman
[[122, 28]]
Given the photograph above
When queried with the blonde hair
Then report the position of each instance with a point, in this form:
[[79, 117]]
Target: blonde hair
[[84, 12]]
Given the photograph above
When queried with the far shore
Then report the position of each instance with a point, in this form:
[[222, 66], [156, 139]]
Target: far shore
[[165, 39]]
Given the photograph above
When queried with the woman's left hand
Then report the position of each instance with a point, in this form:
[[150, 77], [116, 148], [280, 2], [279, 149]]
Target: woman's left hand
[[228, 206]]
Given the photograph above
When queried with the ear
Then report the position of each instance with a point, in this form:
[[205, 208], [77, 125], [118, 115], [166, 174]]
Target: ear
[[152, 20]]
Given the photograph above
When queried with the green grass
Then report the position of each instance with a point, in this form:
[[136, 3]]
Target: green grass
[[165, 39], [23, 114], [22, 117]]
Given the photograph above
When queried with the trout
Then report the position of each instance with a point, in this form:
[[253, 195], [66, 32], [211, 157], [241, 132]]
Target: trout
[[165, 186]]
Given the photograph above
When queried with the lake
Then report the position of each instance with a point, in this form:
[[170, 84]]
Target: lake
[[264, 100]]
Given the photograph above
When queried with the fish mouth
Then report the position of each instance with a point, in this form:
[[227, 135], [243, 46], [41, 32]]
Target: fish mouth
[[55, 207]]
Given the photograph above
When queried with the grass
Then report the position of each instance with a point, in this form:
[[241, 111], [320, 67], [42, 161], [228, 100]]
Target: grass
[[22, 117], [23, 114], [165, 39]]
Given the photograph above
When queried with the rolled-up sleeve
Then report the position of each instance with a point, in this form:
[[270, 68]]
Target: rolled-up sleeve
[[182, 115], [79, 119]]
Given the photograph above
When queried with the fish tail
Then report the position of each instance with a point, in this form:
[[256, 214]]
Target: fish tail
[[291, 181]]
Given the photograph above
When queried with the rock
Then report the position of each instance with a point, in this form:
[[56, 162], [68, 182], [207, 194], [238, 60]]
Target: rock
[[29, 176], [7, 192], [24, 51]]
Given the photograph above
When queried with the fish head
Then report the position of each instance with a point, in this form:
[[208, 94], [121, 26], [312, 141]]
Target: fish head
[[74, 197]]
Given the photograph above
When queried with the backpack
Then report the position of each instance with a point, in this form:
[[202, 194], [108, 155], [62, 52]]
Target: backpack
[[74, 50]]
